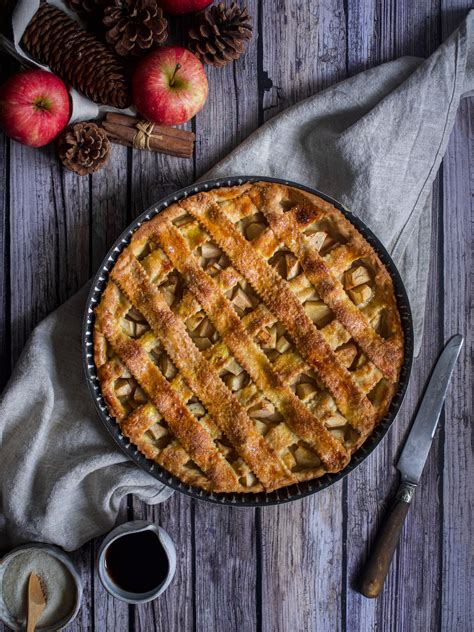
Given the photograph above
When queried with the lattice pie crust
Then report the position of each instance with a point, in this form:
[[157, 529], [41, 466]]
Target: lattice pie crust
[[248, 338]]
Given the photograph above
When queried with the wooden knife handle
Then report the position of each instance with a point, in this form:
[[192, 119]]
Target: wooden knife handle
[[378, 563]]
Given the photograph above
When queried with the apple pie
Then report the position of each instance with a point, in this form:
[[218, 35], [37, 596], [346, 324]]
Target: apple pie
[[248, 338]]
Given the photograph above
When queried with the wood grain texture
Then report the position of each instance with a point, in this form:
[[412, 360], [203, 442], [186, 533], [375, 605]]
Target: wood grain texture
[[302, 564], [293, 567], [107, 613], [109, 204], [228, 568], [456, 281], [4, 264], [421, 538], [174, 609], [457, 596], [397, 29], [49, 230], [34, 178], [152, 176], [296, 539], [5, 70], [84, 560], [225, 571], [231, 112], [303, 50]]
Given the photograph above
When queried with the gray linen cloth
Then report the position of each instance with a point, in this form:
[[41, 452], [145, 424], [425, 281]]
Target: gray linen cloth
[[374, 142]]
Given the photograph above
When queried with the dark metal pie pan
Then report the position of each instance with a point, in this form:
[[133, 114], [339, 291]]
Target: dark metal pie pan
[[262, 499]]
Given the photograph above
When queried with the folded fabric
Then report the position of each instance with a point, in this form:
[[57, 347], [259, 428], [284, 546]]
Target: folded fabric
[[62, 476], [374, 141]]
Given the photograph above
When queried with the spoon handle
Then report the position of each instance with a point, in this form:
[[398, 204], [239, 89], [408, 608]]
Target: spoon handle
[[34, 613]]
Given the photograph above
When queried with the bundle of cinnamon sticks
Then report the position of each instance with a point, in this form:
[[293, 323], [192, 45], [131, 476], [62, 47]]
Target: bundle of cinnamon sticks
[[134, 132]]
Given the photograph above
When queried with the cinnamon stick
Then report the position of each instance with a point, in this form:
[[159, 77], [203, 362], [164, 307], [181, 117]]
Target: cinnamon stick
[[159, 130], [167, 145], [171, 152], [157, 141]]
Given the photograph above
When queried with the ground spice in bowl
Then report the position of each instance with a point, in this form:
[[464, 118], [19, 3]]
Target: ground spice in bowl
[[60, 587]]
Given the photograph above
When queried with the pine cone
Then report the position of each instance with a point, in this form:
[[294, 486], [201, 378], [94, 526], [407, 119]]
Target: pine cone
[[84, 148], [59, 42], [221, 33], [134, 26]]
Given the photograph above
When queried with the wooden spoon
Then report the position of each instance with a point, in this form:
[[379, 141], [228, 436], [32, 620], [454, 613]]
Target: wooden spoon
[[36, 601]]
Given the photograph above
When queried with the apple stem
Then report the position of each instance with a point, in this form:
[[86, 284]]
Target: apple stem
[[42, 104], [178, 66]]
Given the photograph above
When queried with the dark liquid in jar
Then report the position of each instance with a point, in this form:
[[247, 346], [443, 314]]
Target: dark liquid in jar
[[137, 562]]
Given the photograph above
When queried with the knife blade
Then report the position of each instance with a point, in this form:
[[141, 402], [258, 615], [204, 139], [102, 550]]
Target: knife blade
[[417, 446], [410, 464]]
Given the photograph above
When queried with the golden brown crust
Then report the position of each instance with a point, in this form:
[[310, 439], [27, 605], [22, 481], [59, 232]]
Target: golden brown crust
[[247, 353], [248, 338]]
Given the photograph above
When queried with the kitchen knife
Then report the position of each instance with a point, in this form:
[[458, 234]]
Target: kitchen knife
[[410, 464]]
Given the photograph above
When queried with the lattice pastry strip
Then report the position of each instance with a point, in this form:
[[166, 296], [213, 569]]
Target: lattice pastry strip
[[284, 304], [252, 322], [192, 436], [228, 278], [266, 244], [193, 264], [285, 227], [339, 260], [139, 421], [182, 248], [229, 326], [223, 407], [136, 425]]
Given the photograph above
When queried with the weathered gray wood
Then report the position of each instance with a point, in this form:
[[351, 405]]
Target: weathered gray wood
[[296, 566], [225, 539], [231, 111], [33, 238], [106, 612], [378, 32], [48, 236], [303, 50], [153, 176], [225, 569], [416, 27], [4, 254], [109, 212], [302, 564], [4, 267], [83, 559], [49, 230], [415, 595], [108, 217], [72, 200], [5, 70], [174, 609], [410, 594], [457, 597]]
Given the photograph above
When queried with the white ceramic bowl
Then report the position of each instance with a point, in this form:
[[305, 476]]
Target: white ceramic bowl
[[62, 557], [135, 526]]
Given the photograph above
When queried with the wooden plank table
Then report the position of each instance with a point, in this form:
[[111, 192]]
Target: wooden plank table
[[294, 567]]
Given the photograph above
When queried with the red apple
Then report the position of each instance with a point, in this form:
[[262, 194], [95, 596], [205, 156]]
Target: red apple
[[177, 7], [169, 86], [34, 107]]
